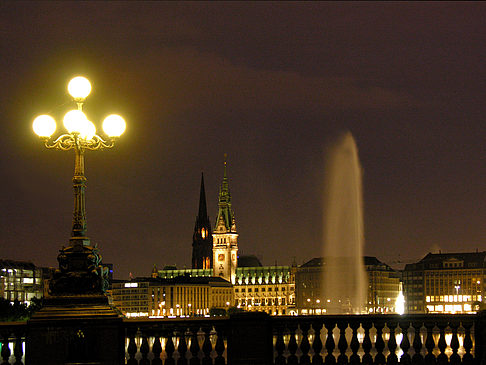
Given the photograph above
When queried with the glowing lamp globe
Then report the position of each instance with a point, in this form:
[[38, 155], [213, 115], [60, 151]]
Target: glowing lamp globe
[[79, 87], [88, 131], [75, 121], [114, 125], [44, 125]]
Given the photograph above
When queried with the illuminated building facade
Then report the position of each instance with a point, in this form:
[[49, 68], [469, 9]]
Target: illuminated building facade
[[202, 240], [269, 289], [225, 237], [21, 280], [445, 283], [182, 296], [384, 287]]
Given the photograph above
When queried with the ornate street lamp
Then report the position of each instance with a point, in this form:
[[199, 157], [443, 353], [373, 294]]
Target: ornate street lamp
[[80, 270]]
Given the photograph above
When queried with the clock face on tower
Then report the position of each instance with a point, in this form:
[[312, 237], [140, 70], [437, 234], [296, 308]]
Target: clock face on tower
[[221, 257]]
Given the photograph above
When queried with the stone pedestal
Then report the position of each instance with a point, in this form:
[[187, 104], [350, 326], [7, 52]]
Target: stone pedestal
[[77, 330], [250, 339]]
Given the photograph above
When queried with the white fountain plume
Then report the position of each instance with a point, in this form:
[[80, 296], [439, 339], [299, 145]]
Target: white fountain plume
[[345, 282]]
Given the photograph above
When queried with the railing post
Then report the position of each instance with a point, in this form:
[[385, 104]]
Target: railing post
[[75, 330], [480, 338], [250, 339]]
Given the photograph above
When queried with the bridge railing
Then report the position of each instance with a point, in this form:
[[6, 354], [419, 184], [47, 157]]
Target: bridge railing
[[260, 339], [256, 338]]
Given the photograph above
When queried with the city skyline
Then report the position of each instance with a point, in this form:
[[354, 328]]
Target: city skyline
[[269, 84]]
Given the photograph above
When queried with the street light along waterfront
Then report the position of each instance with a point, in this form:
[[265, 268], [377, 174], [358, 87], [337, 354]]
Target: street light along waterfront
[[80, 270]]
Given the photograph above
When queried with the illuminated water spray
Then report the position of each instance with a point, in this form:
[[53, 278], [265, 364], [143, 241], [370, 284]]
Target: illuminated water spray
[[344, 279]]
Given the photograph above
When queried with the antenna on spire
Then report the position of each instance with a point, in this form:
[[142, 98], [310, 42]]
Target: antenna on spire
[[225, 161]]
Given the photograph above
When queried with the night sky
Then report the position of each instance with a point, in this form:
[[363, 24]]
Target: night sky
[[270, 84]]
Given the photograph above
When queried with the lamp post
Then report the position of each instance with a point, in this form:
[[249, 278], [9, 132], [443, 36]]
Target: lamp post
[[80, 270]]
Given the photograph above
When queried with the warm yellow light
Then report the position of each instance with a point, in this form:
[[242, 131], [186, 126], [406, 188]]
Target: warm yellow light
[[88, 131], [79, 87], [75, 121], [114, 125], [44, 125]]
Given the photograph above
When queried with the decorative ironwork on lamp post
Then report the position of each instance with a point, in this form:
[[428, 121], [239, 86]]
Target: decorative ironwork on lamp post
[[80, 270]]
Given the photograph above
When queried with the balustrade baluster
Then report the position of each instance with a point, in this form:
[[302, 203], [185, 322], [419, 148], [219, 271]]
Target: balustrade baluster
[[292, 346], [392, 358], [330, 344], [430, 344], [207, 347], [144, 350], [467, 358], [417, 358], [304, 344], [367, 358], [5, 353], [455, 358], [354, 345], [182, 348], [169, 349], [280, 347], [317, 343], [405, 359], [18, 351], [379, 344], [219, 348], [132, 347], [442, 344], [342, 343], [194, 348], [157, 350]]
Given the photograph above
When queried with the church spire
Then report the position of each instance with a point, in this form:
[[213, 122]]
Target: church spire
[[202, 248], [225, 222], [203, 211]]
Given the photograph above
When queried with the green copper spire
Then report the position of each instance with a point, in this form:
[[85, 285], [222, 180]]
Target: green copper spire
[[225, 222]]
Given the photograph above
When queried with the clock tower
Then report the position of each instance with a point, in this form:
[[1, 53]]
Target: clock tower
[[225, 237]]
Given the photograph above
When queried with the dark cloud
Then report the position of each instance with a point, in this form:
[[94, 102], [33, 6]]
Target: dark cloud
[[268, 83]]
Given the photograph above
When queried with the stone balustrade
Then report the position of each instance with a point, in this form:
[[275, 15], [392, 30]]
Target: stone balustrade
[[256, 338]]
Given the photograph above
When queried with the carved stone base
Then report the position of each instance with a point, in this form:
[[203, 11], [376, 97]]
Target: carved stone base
[[80, 329], [80, 272]]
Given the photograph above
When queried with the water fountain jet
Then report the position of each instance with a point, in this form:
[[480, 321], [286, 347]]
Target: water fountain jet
[[345, 283]]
